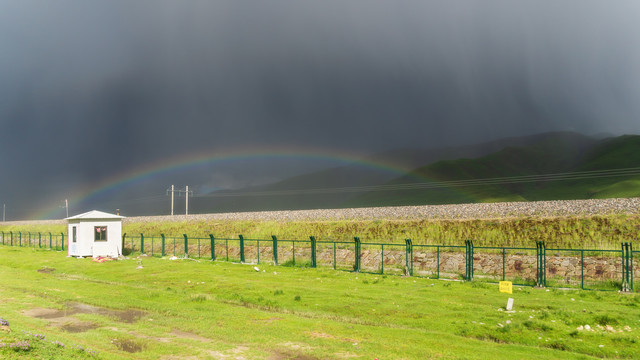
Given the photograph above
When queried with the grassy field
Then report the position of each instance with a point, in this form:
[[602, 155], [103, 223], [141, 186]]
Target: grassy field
[[601, 232], [185, 309]]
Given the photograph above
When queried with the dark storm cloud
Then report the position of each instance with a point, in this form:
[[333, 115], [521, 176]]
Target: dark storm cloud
[[87, 88]]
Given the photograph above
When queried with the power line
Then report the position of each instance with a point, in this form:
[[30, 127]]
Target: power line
[[579, 175]]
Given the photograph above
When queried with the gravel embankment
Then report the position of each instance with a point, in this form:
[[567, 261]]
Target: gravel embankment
[[447, 212], [460, 211]]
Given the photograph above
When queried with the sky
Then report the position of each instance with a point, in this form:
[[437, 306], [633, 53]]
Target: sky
[[89, 89]]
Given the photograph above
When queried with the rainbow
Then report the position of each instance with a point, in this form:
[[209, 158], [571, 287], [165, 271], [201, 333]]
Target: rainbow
[[180, 163]]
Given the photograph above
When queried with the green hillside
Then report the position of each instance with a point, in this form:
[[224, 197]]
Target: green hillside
[[552, 155]]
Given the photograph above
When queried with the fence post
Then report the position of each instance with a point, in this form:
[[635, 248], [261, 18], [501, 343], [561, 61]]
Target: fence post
[[356, 266], [19, 238], [50, 241], [62, 240], [2, 237], [469, 263], [162, 235], [241, 248], [381, 258], [538, 273], [544, 264], [582, 269], [11, 235], [213, 247], [466, 259], [123, 237], [471, 259], [627, 267], [186, 245], [438, 261], [631, 265], [313, 250], [275, 249], [141, 244], [409, 256], [541, 262], [293, 252]]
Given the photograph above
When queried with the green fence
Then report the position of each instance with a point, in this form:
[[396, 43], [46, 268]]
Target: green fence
[[34, 239], [589, 269]]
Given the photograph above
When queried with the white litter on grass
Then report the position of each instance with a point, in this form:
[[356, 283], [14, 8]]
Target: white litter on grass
[[275, 273], [587, 327], [256, 268], [508, 321], [601, 346], [510, 304], [173, 258], [580, 328]]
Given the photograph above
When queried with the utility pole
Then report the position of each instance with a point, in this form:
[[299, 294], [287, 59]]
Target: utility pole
[[66, 206], [172, 192], [186, 206], [180, 192]]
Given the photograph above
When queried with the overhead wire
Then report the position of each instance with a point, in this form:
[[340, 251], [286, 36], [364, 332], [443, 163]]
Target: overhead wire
[[435, 184]]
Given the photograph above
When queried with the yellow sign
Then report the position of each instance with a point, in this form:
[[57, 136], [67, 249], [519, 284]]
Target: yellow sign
[[506, 287]]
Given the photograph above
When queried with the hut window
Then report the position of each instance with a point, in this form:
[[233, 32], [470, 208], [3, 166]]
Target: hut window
[[100, 233], [75, 234]]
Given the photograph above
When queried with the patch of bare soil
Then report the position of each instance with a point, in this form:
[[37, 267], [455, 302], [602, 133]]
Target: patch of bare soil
[[187, 335], [64, 318], [288, 355], [128, 345], [235, 354], [77, 326], [320, 335], [269, 320], [46, 270]]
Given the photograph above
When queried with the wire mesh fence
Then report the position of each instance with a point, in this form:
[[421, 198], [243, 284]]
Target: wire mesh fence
[[589, 269]]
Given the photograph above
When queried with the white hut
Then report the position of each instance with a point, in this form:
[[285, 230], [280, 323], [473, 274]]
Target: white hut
[[95, 233]]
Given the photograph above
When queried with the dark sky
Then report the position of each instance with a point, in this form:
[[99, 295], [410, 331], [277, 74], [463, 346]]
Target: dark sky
[[92, 88]]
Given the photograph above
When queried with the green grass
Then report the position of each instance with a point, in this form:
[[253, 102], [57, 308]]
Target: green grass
[[592, 232], [212, 309]]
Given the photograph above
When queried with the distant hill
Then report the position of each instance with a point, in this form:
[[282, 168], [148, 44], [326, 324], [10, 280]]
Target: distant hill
[[547, 153], [553, 154]]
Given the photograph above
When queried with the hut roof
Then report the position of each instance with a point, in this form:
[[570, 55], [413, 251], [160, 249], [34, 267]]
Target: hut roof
[[94, 215]]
